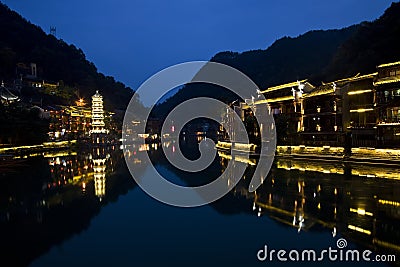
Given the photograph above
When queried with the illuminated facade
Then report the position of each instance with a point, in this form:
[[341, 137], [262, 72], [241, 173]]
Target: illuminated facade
[[358, 111], [340, 108], [323, 115], [286, 103], [387, 87], [70, 122]]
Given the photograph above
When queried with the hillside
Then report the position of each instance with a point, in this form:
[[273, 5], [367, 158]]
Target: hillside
[[21, 41], [372, 44], [288, 58], [316, 55]]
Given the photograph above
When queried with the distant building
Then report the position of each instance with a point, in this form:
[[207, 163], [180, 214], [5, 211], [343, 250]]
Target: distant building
[[7, 97], [29, 75]]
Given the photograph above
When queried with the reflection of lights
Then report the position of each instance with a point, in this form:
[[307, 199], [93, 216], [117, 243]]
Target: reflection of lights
[[385, 244], [362, 212], [237, 158], [259, 212], [173, 148], [359, 229], [144, 147], [389, 202], [254, 206], [334, 232]]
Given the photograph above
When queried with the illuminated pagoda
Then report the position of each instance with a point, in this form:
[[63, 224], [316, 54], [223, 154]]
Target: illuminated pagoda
[[98, 131]]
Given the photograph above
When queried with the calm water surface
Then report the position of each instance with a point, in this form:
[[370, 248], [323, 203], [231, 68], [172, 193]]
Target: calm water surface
[[83, 209]]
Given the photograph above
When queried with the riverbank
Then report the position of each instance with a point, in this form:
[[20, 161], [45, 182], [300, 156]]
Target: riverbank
[[20, 151], [358, 154]]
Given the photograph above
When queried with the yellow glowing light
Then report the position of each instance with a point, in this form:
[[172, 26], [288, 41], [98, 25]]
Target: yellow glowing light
[[389, 64], [359, 92], [238, 159], [272, 100], [283, 86], [362, 212], [389, 202], [321, 92], [387, 80], [389, 124], [359, 229], [361, 110]]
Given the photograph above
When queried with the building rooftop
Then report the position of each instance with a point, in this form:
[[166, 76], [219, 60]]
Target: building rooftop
[[5, 94], [283, 86], [391, 79], [324, 89], [389, 64]]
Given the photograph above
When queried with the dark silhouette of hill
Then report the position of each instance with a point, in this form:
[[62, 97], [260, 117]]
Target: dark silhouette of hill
[[319, 55], [372, 44], [21, 41], [288, 58], [285, 60]]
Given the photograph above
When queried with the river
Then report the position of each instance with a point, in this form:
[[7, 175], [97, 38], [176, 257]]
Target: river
[[84, 209]]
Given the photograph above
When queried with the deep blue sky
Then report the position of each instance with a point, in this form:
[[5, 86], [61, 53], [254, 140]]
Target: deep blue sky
[[132, 40]]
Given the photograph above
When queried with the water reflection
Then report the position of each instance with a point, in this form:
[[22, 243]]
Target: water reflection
[[330, 196], [45, 200]]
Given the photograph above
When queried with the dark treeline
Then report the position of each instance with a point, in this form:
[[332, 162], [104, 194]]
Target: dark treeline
[[57, 61]]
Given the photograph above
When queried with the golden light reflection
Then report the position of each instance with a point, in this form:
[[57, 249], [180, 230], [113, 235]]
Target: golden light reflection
[[362, 212], [389, 202], [359, 229]]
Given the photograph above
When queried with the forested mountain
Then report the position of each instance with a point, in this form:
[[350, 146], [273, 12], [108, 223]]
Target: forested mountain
[[318, 56], [21, 41], [373, 43]]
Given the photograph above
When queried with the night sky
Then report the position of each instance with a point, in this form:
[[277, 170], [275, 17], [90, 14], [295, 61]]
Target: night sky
[[132, 40]]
